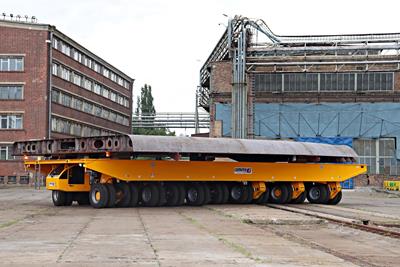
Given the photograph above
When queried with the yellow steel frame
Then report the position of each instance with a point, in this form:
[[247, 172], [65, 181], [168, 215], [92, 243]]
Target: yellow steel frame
[[165, 170]]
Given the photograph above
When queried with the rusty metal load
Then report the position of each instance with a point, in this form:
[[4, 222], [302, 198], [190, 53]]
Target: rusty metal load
[[138, 144]]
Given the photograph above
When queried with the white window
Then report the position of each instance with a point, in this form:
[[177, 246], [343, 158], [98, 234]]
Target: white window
[[77, 79], [88, 84], [55, 69], [5, 152], [106, 72], [65, 74], [66, 100], [126, 84], [88, 62], [105, 92], [97, 67], [126, 102], [11, 92], [120, 81], [55, 96], [10, 121], [11, 63], [55, 43], [113, 77], [97, 88], [113, 96], [65, 49], [77, 56]]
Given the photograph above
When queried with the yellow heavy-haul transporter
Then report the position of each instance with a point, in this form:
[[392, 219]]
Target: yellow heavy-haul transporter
[[131, 170]]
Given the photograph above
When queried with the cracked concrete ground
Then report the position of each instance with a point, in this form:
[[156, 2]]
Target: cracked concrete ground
[[33, 232]]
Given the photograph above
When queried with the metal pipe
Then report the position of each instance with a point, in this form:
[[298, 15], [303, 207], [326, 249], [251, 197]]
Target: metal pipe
[[321, 63]]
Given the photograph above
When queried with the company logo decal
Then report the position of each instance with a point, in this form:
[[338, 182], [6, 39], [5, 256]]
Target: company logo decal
[[243, 170]]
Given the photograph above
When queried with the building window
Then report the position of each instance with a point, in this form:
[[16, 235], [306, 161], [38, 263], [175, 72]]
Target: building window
[[66, 100], [65, 74], [88, 62], [11, 63], [77, 56], [378, 154], [73, 128], [65, 49], [55, 69], [85, 106], [113, 77], [323, 82], [5, 152], [12, 92], [97, 88], [10, 121], [77, 79], [87, 84], [97, 67], [106, 72], [90, 85]]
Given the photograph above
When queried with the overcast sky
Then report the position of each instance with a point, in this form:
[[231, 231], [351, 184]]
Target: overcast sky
[[164, 43]]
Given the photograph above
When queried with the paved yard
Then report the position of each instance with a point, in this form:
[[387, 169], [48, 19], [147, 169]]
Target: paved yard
[[33, 232]]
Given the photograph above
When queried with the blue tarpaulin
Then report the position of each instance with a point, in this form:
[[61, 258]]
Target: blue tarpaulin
[[348, 141]]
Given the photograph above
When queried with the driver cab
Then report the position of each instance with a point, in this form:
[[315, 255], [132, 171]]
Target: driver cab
[[66, 177]]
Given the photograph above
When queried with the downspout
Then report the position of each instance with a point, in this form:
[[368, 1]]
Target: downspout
[[50, 74]]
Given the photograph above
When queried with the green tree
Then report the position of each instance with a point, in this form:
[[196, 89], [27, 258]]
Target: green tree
[[145, 113]]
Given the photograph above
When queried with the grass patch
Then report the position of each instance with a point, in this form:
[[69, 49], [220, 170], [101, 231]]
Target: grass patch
[[7, 224]]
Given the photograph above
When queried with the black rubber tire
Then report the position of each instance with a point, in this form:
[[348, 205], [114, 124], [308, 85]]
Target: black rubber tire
[[250, 191], [83, 199], [290, 192], [195, 195], [318, 194], [69, 198], [103, 191], [273, 195], [112, 195], [58, 197], [300, 199], [163, 198], [225, 193], [336, 199], [263, 199], [123, 189], [238, 193], [182, 194], [207, 194], [149, 195], [216, 193], [171, 194], [134, 188]]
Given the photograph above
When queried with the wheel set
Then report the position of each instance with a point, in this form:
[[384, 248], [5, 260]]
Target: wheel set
[[61, 198], [154, 194]]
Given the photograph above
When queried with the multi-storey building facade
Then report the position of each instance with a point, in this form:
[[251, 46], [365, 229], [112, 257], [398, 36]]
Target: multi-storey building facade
[[52, 87], [333, 88]]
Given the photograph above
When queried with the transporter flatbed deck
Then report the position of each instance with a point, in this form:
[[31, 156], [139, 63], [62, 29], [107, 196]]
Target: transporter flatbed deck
[[153, 170]]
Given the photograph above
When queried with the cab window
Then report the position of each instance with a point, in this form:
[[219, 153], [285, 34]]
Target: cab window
[[56, 171], [76, 175]]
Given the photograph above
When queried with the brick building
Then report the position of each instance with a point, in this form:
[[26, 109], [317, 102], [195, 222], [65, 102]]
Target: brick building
[[328, 88], [51, 87]]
